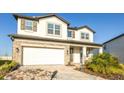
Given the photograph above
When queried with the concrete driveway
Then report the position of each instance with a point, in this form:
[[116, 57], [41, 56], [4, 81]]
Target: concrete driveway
[[66, 72]]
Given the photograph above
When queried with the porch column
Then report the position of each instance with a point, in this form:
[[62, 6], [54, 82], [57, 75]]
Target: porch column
[[83, 54], [100, 50], [67, 55]]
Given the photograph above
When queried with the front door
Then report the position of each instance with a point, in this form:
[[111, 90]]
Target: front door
[[76, 55]]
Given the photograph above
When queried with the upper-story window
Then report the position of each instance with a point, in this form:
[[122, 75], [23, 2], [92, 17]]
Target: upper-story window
[[53, 29], [84, 36], [71, 34], [28, 25], [50, 28], [57, 29], [87, 36]]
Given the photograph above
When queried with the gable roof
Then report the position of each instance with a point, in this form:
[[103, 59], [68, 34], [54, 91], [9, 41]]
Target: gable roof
[[87, 28], [16, 16], [72, 28], [36, 18], [40, 17], [81, 27], [52, 14], [114, 38]]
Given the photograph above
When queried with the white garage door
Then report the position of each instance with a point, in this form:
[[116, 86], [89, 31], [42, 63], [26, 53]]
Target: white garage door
[[35, 56]]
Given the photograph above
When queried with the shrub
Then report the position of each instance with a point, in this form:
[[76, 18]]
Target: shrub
[[105, 64], [7, 67], [122, 66], [1, 77], [2, 62], [114, 70]]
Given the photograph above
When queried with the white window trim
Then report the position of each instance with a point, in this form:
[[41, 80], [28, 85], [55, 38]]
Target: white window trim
[[88, 36], [53, 30], [84, 36], [72, 34], [32, 26], [50, 28], [30, 31]]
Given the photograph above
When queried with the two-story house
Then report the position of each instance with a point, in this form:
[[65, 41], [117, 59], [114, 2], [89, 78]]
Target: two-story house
[[49, 39]]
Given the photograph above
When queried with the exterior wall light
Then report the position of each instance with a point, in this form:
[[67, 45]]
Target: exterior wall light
[[17, 50]]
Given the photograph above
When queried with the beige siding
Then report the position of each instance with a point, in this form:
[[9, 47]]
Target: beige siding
[[78, 35], [42, 30], [85, 30]]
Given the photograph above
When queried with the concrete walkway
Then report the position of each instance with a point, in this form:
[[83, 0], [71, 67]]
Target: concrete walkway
[[66, 72]]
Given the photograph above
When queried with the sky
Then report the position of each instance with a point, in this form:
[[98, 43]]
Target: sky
[[106, 25]]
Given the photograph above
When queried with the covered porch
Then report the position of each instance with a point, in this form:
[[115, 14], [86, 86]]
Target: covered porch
[[79, 54]]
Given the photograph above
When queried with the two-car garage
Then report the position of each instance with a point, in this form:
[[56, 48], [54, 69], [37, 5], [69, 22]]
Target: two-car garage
[[35, 56]]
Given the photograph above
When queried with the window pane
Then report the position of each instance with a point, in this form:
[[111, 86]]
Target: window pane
[[28, 25], [50, 31], [50, 26], [57, 32], [57, 27], [53, 29], [69, 33], [87, 36], [82, 35]]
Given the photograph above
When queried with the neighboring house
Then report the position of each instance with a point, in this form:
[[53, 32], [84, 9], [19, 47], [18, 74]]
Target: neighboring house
[[115, 46], [49, 39]]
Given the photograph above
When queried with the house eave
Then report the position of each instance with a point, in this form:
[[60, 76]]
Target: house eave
[[16, 16], [50, 15], [81, 27], [14, 36]]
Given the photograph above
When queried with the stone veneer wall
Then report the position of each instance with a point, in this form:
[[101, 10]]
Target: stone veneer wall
[[18, 45]]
